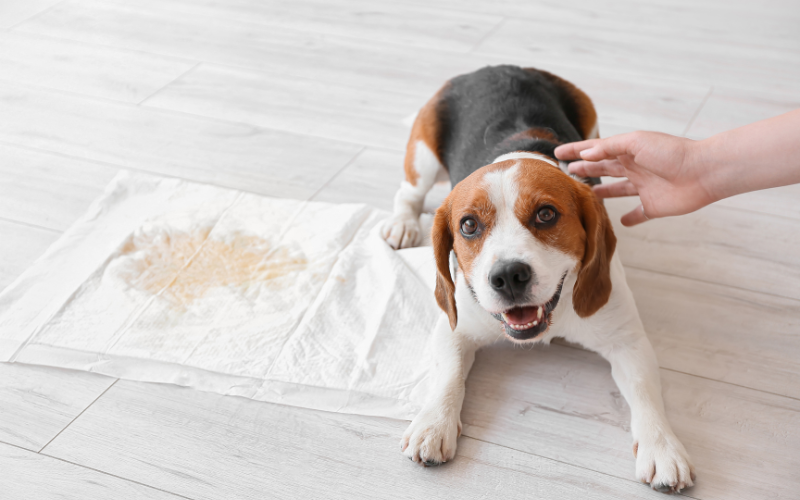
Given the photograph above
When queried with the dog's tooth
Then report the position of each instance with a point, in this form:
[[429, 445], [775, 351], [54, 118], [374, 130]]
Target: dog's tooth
[[535, 323], [539, 313]]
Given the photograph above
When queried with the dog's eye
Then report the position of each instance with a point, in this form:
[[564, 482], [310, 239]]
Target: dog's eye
[[545, 215], [469, 226]]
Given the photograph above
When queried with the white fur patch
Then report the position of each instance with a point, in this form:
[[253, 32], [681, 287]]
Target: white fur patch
[[524, 154], [510, 240], [402, 230]]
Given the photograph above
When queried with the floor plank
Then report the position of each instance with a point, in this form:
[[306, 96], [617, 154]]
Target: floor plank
[[36, 403], [637, 103], [633, 101], [277, 50], [737, 248], [64, 480], [15, 12], [713, 62], [781, 201], [173, 144], [561, 403], [372, 178], [405, 24], [86, 69], [48, 190], [715, 289], [728, 108], [721, 333], [207, 447], [768, 25], [311, 107], [19, 247]]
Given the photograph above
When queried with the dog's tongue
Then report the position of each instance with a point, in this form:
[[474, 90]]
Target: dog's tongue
[[521, 315]]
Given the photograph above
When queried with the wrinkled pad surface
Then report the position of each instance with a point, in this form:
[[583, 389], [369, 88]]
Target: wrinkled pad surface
[[292, 302]]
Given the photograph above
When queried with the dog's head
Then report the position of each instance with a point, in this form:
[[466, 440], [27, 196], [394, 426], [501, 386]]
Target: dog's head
[[519, 228]]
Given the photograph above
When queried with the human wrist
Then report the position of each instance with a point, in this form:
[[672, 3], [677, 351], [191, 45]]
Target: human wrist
[[706, 158]]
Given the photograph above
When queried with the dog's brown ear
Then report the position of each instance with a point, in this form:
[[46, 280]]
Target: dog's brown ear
[[442, 238], [593, 287]]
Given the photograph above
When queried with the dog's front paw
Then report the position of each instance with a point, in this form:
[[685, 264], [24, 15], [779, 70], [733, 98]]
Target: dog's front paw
[[432, 437], [662, 461], [402, 231]]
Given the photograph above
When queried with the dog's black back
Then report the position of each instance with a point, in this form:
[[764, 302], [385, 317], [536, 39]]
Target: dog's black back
[[490, 112]]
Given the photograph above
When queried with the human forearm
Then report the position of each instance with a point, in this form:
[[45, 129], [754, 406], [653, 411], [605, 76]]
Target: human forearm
[[761, 155]]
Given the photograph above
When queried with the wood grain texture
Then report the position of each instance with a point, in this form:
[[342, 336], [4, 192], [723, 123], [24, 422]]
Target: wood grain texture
[[721, 333], [316, 108], [314, 81], [48, 190], [781, 202], [712, 62], [86, 69], [560, 402], [36, 403], [20, 245], [406, 24], [281, 51], [173, 144], [28, 475], [15, 12], [341, 62], [372, 178], [738, 24], [728, 108], [206, 446], [737, 248]]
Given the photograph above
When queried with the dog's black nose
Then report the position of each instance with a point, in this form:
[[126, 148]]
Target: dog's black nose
[[510, 278]]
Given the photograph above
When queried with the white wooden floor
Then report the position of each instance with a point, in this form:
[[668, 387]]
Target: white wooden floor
[[306, 99]]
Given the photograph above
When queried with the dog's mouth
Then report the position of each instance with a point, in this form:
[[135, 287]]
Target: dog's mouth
[[528, 322]]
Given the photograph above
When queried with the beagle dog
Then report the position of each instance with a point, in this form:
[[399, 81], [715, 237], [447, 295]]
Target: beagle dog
[[534, 253]]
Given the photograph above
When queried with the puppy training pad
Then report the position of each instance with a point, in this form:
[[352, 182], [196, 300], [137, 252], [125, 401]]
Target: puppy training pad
[[292, 302]]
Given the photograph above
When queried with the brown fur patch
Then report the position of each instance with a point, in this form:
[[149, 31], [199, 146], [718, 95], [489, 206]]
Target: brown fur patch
[[428, 129], [533, 133], [593, 287], [442, 240], [467, 199], [542, 184], [581, 111], [471, 199]]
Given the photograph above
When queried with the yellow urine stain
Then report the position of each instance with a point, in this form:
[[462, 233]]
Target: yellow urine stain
[[183, 267]]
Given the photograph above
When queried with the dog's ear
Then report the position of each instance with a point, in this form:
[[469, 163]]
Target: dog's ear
[[442, 238], [593, 287]]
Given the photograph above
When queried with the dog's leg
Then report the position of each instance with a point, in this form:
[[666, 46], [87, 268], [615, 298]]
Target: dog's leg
[[403, 230], [431, 438], [422, 164], [661, 459]]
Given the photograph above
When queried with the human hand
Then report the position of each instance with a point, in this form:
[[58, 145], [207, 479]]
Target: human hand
[[660, 168]]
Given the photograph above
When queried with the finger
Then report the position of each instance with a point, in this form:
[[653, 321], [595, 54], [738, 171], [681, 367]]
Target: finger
[[635, 216], [571, 151], [612, 168], [612, 147], [615, 190], [578, 168]]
